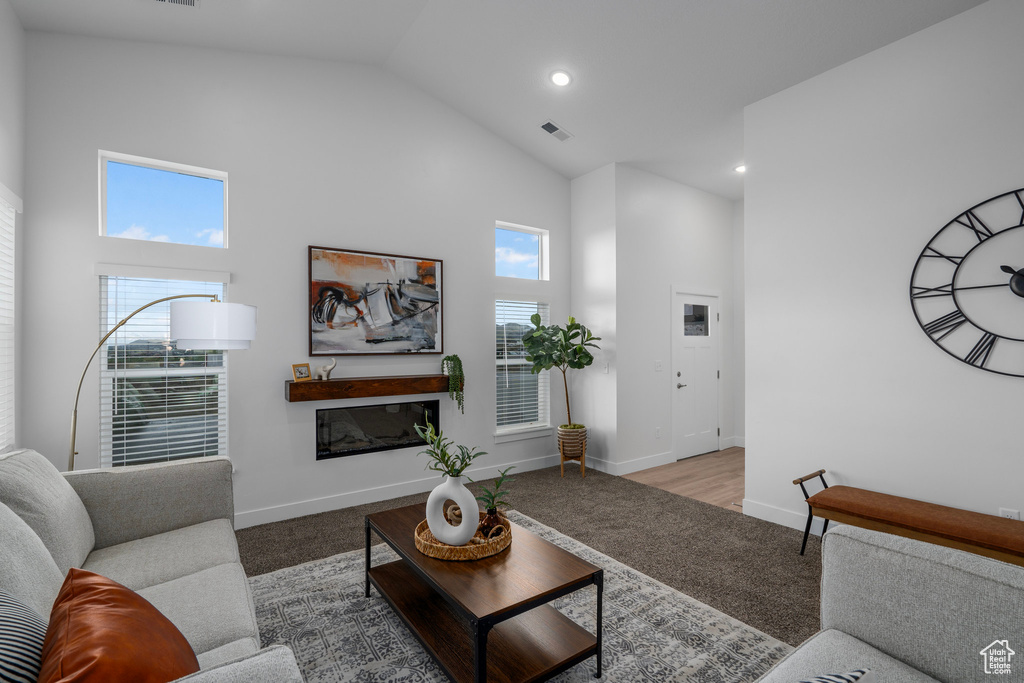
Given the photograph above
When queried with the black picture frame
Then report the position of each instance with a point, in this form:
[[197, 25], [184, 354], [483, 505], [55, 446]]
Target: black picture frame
[[365, 303]]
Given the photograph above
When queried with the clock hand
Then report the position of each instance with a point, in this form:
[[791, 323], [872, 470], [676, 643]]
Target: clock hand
[[1010, 270], [1001, 284]]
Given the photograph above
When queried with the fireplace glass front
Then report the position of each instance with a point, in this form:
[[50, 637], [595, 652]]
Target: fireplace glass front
[[366, 429]]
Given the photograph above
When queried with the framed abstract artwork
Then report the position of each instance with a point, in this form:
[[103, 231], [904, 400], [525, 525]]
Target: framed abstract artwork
[[362, 303]]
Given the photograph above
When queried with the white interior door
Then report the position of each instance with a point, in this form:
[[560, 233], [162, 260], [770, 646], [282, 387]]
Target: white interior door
[[695, 374]]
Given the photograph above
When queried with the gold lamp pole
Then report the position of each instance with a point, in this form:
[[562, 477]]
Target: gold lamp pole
[[74, 412]]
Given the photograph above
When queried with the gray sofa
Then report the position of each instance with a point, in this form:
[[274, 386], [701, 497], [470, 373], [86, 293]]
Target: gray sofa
[[165, 531], [910, 611]]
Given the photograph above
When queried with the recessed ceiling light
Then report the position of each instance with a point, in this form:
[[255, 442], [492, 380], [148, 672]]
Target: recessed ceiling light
[[742, 168], [561, 78]]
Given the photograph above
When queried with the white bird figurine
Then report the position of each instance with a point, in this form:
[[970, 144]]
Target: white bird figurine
[[324, 371]]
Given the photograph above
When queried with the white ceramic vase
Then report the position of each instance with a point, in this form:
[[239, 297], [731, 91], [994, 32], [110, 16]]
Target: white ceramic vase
[[452, 488]]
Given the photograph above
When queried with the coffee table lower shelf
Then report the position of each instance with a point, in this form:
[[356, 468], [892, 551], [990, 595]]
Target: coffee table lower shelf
[[533, 646]]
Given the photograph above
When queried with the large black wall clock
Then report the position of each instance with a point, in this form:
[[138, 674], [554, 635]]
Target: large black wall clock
[[967, 288]]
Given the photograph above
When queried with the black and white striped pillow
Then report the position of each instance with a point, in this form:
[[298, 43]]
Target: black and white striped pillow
[[855, 676], [22, 632]]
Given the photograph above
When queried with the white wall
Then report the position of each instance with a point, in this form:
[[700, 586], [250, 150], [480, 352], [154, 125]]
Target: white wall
[[317, 153], [12, 103], [739, 321], [12, 168], [850, 174], [594, 301], [655, 234], [668, 235]]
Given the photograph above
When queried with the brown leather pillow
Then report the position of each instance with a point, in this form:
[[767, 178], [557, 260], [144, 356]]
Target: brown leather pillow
[[101, 631]]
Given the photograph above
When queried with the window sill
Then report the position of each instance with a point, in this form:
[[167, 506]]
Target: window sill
[[520, 434]]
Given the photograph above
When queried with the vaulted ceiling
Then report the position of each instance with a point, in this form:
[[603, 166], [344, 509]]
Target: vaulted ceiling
[[657, 84]]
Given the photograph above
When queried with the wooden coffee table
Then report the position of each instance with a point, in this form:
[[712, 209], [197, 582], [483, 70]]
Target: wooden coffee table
[[487, 620]]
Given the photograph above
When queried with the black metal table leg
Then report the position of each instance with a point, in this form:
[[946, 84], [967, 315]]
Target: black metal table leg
[[366, 523], [807, 529], [480, 631], [599, 582]]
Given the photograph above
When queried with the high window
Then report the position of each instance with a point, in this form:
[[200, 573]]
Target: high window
[[520, 252], [7, 366], [157, 402], [522, 397], [160, 201]]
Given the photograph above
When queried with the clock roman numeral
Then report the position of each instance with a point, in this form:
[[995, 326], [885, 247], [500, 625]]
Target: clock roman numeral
[[969, 220], [982, 350], [935, 253], [1021, 202], [946, 325], [918, 292]]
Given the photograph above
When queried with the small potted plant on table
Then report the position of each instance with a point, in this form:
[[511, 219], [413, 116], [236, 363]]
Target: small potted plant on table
[[492, 500]]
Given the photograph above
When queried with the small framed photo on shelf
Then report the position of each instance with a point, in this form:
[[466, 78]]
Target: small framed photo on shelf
[[300, 371]]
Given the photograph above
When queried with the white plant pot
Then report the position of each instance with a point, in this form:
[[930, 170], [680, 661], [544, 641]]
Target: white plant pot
[[453, 488]]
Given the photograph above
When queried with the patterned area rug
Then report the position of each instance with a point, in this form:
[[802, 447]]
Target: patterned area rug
[[651, 632]]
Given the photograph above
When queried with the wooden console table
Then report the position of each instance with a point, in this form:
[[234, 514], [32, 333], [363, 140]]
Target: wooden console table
[[487, 620]]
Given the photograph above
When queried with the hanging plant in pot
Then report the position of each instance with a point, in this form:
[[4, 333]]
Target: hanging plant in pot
[[450, 460], [551, 346], [452, 366]]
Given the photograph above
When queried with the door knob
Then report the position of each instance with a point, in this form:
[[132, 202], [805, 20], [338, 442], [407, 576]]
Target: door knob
[[680, 386]]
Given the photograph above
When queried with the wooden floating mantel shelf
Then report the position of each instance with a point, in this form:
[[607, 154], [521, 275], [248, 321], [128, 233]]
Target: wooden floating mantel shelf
[[362, 387]]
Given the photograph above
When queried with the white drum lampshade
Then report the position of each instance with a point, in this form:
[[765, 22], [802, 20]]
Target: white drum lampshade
[[201, 325]]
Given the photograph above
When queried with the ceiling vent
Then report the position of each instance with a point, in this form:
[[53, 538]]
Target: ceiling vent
[[561, 134], [181, 3]]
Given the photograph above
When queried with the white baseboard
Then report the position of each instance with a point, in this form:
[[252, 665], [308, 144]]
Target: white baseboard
[[630, 466], [777, 515], [734, 442], [313, 506]]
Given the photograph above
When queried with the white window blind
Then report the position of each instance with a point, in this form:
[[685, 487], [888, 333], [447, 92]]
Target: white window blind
[[157, 402], [522, 397], [7, 372]]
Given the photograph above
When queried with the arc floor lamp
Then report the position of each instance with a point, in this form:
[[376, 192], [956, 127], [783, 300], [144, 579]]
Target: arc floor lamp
[[195, 325]]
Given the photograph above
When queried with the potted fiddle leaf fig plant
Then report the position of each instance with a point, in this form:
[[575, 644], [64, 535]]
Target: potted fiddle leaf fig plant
[[568, 348], [450, 460], [493, 499]]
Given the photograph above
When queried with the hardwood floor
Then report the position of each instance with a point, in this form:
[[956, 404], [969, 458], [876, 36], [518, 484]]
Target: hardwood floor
[[715, 478]]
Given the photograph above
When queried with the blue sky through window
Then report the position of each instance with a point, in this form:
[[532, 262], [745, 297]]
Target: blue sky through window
[[164, 206], [516, 254]]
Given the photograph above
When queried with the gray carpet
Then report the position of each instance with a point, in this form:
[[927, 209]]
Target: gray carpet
[[744, 567], [652, 633]]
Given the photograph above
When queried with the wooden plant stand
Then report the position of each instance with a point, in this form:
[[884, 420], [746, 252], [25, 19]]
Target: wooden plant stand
[[572, 446]]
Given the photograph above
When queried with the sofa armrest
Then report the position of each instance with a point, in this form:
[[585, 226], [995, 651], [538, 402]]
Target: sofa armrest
[[128, 503], [274, 664], [931, 607]]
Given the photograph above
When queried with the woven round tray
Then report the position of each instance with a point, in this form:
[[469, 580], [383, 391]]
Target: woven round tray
[[477, 549]]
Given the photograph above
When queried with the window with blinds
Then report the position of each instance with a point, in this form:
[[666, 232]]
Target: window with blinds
[[157, 402], [7, 372], [522, 397]]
